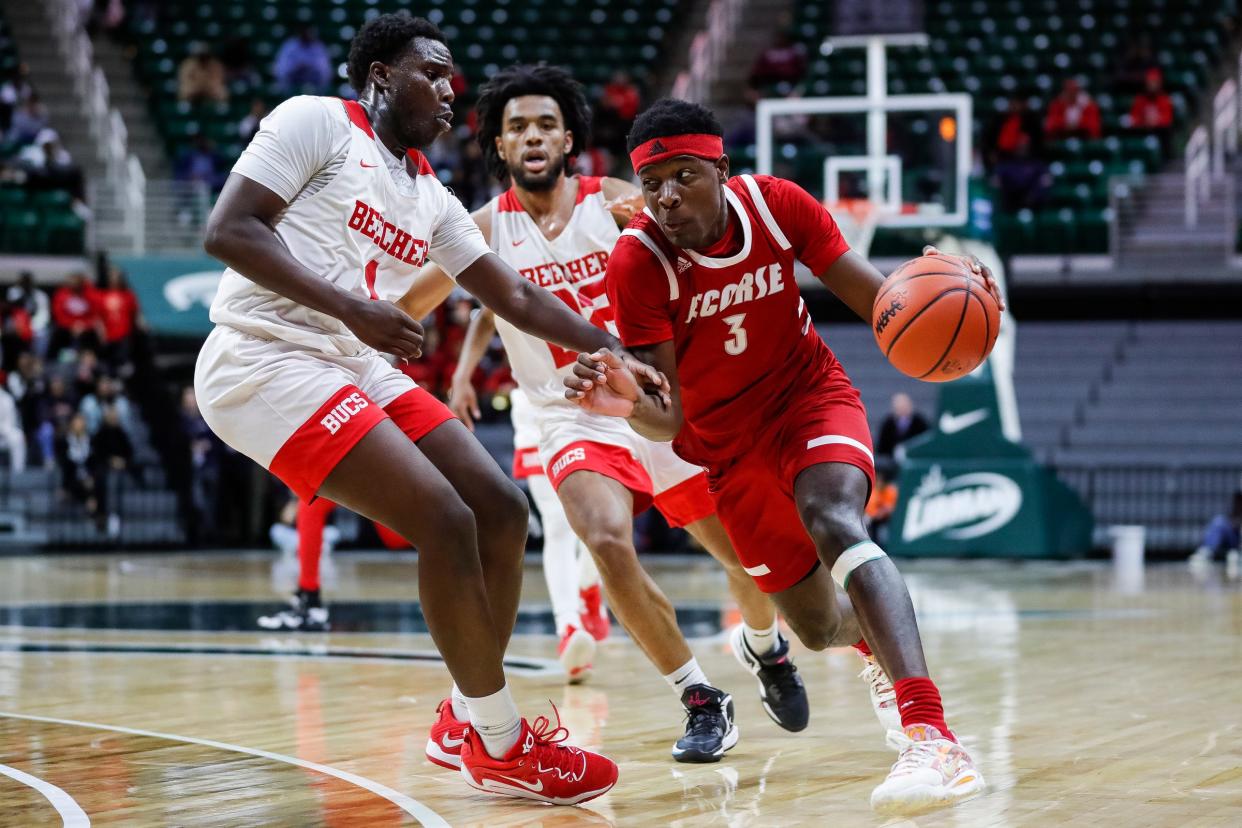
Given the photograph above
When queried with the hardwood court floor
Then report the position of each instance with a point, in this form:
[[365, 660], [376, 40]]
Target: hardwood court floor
[[1083, 703]]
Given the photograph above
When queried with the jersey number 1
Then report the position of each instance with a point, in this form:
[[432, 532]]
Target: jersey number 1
[[736, 343]]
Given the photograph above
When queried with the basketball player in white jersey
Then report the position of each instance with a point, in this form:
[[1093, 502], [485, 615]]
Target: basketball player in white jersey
[[568, 568], [557, 231], [326, 218]]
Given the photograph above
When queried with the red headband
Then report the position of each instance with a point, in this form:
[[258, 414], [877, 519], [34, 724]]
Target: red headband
[[656, 150]]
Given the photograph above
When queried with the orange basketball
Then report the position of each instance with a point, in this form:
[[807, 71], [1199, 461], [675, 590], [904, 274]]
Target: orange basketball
[[934, 318]]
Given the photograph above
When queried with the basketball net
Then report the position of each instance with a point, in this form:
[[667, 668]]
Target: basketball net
[[857, 218]]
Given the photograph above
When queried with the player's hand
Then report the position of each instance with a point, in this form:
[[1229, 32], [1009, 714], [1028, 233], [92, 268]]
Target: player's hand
[[624, 208], [464, 401], [978, 268], [652, 380], [385, 327], [604, 383]]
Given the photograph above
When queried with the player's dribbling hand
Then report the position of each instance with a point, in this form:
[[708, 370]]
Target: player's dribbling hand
[[977, 267], [385, 327], [464, 402], [605, 383]]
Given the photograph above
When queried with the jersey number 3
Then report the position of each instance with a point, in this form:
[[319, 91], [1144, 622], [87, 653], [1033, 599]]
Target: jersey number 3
[[736, 343]]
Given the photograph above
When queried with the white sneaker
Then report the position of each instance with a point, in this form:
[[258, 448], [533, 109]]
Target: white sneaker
[[931, 772], [576, 650], [1200, 557], [883, 696], [1233, 563]]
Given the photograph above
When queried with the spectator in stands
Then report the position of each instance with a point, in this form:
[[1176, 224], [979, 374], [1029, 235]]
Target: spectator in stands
[[201, 77], [15, 89], [56, 407], [16, 334], [1223, 537], [85, 374], [49, 166], [107, 394], [28, 388], [1152, 112], [900, 424], [1072, 114], [73, 455], [1137, 61], [249, 125], [882, 502], [75, 312], [618, 106], [1016, 126], [112, 455], [303, 62], [205, 450], [200, 163], [28, 120], [12, 435], [779, 68], [25, 295], [1022, 180], [118, 306]]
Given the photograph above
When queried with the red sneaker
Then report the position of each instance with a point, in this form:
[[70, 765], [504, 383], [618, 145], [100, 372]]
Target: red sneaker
[[539, 767], [594, 615], [447, 736]]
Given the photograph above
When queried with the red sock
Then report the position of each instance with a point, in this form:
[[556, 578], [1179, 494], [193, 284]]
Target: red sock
[[311, 519], [919, 703], [862, 647]]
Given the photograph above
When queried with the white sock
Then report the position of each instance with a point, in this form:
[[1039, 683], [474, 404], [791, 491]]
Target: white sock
[[761, 642], [686, 675], [588, 573], [560, 552], [495, 718], [460, 712]]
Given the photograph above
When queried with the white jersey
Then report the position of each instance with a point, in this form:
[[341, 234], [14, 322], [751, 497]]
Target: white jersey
[[571, 266], [356, 216]]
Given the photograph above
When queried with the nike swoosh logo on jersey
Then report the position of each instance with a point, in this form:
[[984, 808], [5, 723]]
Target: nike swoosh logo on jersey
[[450, 742], [505, 782], [368, 166], [518, 241], [953, 423]]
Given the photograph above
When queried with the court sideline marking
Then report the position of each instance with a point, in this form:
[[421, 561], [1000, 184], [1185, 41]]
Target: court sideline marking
[[420, 812], [71, 812]]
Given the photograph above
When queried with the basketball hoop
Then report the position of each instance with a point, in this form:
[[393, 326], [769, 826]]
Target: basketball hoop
[[857, 218]]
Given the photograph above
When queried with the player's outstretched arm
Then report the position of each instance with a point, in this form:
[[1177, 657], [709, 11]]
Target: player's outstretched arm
[[603, 383], [463, 399], [239, 233]]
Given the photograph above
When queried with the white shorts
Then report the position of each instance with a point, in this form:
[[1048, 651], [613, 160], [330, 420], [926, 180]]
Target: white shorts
[[571, 440], [297, 412], [525, 417]]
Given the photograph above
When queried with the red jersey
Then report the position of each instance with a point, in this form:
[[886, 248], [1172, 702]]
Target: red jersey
[[743, 337], [119, 308]]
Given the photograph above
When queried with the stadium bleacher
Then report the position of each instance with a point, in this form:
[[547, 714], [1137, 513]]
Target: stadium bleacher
[[489, 34], [31, 220], [996, 50]]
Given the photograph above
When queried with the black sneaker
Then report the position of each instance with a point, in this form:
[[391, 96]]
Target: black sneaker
[[306, 613], [780, 687], [710, 730]]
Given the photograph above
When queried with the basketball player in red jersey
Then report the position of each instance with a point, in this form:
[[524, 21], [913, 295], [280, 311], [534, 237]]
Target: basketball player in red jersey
[[703, 284], [326, 218], [557, 230]]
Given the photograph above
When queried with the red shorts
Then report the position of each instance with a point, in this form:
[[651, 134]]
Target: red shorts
[[306, 459], [682, 503], [526, 463], [754, 493]]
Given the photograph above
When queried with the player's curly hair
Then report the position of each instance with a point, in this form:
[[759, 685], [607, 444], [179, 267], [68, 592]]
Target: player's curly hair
[[670, 116], [530, 79], [383, 39]]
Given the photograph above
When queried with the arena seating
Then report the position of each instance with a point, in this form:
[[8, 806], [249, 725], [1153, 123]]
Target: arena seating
[[487, 34], [30, 221], [996, 49]]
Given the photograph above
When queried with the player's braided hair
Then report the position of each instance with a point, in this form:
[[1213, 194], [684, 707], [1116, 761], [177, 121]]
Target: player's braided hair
[[383, 39], [670, 116], [530, 79]]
